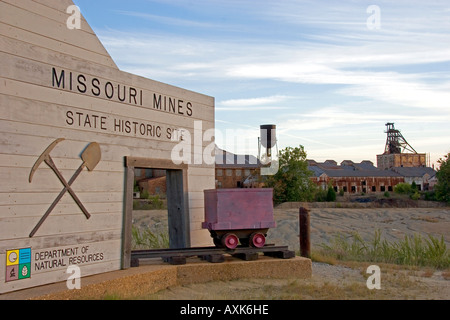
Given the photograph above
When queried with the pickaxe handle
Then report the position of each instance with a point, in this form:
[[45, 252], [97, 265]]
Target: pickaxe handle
[[67, 185], [55, 202]]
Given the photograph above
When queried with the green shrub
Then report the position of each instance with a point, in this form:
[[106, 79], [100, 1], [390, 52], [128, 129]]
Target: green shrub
[[144, 194], [403, 188], [320, 195], [156, 202], [331, 194], [415, 196], [430, 196]]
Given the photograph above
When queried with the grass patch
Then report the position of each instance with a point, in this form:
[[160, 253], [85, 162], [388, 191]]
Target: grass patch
[[149, 203], [412, 250], [146, 239]]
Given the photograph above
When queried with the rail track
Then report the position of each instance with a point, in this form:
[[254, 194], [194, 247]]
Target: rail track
[[210, 254]]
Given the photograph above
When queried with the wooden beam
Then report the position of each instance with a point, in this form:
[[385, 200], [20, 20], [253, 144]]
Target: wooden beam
[[178, 218], [128, 217], [154, 163]]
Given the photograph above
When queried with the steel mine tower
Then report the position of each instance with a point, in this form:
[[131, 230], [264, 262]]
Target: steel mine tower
[[395, 141]]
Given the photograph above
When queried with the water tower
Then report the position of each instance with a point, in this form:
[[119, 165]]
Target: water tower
[[267, 141]]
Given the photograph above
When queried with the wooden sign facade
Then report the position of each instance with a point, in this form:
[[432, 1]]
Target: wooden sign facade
[[73, 127]]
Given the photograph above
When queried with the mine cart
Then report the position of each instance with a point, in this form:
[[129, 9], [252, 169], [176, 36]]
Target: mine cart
[[239, 215]]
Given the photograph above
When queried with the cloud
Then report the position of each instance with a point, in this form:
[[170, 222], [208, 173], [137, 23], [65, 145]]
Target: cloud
[[170, 20], [253, 101], [411, 90], [253, 104]]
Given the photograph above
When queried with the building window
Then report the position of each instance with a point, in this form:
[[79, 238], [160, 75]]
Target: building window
[[389, 188], [229, 172], [247, 172], [344, 188], [374, 188], [382, 188], [238, 172], [353, 189], [219, 172]]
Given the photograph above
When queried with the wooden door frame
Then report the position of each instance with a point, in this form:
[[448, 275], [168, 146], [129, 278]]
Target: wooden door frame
[[178, 205]]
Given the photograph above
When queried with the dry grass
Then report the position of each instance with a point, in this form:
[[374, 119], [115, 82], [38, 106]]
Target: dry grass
[[412, 250], [426, 219], [446, 274]]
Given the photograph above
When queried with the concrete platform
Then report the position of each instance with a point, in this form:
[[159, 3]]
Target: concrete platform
[[155, 276]]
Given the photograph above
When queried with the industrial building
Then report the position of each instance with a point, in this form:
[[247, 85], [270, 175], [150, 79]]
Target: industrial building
[[423, 177], [351, 177], [236, 171], [399, 163]]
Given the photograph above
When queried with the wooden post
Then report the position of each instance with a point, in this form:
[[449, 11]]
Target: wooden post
[[128, 218], [305, 245], [178, 220]]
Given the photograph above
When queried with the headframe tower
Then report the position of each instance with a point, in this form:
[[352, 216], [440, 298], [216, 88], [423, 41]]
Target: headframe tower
[[395, 141], [398, 152]]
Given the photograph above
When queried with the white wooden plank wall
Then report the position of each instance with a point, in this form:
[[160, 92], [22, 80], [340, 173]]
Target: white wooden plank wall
[[34, 111]]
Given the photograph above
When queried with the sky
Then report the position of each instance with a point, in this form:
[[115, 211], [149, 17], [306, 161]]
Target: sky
[[329, 75]]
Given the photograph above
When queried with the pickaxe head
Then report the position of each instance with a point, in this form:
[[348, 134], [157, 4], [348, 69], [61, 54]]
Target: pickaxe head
[[44, 156]]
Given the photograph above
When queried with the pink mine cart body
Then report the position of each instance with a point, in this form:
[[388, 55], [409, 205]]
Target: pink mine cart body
[[233, 215]]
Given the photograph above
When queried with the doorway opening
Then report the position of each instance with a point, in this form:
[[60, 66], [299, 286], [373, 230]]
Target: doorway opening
[[150, 228], [175, 204]]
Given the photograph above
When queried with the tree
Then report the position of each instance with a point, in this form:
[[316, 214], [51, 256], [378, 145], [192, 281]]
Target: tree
[[292, 181], [442, 187], [331, 194]]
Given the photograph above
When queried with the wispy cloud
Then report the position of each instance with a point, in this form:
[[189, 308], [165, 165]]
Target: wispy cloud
[[253, 104], [337, 117], [253, 101], [168, 20]]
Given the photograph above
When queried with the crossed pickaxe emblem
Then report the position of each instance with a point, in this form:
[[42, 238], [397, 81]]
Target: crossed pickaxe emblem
[[91, 157]]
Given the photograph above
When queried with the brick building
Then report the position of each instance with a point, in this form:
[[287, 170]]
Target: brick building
[[236, 171], [151, 180], [423, 177], [351, 177], [387, 161]]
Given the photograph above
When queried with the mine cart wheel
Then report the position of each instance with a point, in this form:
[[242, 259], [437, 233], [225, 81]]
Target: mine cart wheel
[[230, 241], [257, 240]]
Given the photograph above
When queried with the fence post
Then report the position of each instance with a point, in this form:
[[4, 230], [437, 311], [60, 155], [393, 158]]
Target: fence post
[[305, 245]]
